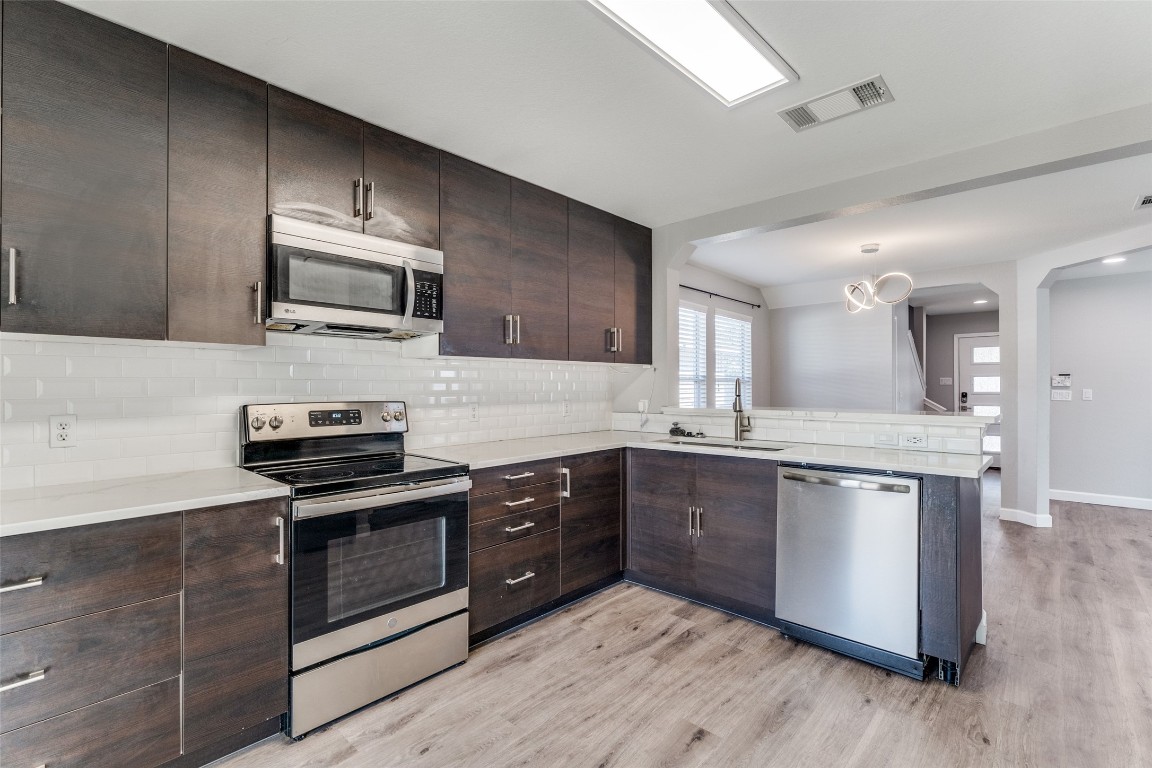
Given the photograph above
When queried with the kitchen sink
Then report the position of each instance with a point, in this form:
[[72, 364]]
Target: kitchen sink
[[733, 445]]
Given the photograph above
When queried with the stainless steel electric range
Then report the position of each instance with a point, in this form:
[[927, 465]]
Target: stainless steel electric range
[[379, 547]]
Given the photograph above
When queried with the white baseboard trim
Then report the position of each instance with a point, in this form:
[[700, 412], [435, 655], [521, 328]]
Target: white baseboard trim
[[1131, 502], [982, 630], [1027, 518]]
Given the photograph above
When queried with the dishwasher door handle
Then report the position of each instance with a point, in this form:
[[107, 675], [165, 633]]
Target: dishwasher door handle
[[844, 482]]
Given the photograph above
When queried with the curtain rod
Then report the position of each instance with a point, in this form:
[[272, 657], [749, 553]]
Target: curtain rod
[[720, 296]]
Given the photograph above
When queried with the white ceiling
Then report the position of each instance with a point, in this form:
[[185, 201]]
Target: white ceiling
[[992, 224], [554, 93], [954, 299]]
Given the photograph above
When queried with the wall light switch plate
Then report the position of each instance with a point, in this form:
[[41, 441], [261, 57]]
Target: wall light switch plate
[[886, 438], [945, 381], [643, 406], [1085, 394], [62, 431], [1061, 394]]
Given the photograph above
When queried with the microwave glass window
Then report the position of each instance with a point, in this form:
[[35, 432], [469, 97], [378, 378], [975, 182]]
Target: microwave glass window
[[375, 567], [343, 282]]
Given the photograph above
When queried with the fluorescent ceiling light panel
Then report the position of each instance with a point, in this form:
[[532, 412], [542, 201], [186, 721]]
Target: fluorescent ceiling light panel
[[708, 41]]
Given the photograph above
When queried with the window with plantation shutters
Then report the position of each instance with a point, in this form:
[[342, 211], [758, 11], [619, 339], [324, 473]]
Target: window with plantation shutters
[[693, 356], [733, 355]]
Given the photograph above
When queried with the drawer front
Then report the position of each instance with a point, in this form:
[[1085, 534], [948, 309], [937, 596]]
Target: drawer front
[[87, 569], [139, 729], [511, 476], [88, 659], [493, 505], [491, 599], [522, 525]]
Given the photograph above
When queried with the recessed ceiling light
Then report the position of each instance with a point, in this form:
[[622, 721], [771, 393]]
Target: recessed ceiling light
[[1113, 260], [708, 41], [980, 301], [870, 248]]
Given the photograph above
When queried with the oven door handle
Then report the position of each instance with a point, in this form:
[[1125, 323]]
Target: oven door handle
[[386, 498]]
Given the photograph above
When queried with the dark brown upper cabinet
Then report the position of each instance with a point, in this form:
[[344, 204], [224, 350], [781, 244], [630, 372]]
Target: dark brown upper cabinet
[[610, 287], [475, 235], [402, 188], [331, 168], [539, 272], [217, 196], [85, 105]]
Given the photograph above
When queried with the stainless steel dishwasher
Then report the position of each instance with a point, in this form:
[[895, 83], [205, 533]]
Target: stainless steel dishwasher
[[848, 564]]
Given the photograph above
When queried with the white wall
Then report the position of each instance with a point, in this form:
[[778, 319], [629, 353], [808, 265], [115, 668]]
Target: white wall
[[1101, 333], [909, 385], [825, 357], [155, 407], [941, 362]]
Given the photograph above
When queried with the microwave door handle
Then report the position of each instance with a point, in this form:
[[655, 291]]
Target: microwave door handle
[[402, 495], [410, 289]]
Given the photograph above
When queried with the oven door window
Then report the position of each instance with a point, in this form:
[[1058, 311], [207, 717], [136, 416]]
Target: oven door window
[[328, 280], [354, 566]]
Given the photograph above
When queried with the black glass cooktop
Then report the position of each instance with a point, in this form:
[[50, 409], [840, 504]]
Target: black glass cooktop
[[326, 477]]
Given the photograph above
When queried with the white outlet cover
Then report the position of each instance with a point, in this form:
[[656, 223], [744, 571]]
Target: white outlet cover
[[886, 438], [62, 431], [1086, 394], [1061, 394]]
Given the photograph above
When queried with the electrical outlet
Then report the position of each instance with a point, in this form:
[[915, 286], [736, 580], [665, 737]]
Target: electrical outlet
[[913, 441], [62, 431], [643, 406], [474, 411], [567, 407]]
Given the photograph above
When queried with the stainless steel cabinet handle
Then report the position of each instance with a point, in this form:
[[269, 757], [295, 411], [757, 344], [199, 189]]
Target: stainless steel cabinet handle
[[278, 558], [611, 339], [35, 581], [691, 521], [258, 287], [358, 204], [25, 679], [12, 276], [699, 522], [507, 329], [619, 345], [371, 207], [520, 476], [524, 527], [525, 500], [517, 317], [842, 482], [565, 482], [527, 575]]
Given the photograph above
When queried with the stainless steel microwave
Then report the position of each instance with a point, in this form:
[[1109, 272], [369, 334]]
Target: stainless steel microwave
[[333, 282]]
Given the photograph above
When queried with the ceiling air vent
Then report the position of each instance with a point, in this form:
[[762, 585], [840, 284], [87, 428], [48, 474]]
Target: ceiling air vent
[[1143, 202], [855, 98]]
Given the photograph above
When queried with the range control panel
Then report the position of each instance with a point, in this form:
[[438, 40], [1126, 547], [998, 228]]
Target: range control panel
[[287, 421]]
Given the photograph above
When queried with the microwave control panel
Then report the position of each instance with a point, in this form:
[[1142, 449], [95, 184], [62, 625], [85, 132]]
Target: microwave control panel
[[429, 302]]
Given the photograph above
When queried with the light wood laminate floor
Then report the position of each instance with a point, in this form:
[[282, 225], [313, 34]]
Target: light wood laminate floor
[[635, 678]]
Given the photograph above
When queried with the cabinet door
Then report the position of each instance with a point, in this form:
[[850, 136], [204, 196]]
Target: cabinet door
[[736, 556], [475, 227], [404, 203], [633, 296], [315, 158], [217, 197], [660, 541], [591, 283], [539, 272], [235, 619], [85, 107], [590, 520], [510, 579]]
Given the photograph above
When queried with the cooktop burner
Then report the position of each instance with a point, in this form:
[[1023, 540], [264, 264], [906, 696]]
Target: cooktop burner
[[318, 476]]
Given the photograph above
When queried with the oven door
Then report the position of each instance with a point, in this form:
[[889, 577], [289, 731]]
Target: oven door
[[368, 567]]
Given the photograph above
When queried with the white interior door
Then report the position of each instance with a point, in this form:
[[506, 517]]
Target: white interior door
[[978, 383]]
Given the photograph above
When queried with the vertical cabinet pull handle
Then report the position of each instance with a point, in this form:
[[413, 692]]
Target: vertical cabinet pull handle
[[12, 276], [358, 203], [619, 341], [35, 581], [278, 558], [371, 207], [699, 522], [565, 483], [507, 329], [691, 521], [611, 334], [258, 288], [517, 328]]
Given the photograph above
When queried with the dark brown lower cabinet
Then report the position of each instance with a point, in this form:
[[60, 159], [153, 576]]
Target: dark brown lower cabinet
[[235, 619], [590, 519], [510, 579], [661, 544]]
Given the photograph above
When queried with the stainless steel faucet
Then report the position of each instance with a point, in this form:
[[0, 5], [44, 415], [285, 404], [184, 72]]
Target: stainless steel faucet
[[743, 423]]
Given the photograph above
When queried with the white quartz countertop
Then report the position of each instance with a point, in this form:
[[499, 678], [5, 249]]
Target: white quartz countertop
[[499, 453], [28, 510]]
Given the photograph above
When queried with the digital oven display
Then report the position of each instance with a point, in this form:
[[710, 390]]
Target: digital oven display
[[333, 418]]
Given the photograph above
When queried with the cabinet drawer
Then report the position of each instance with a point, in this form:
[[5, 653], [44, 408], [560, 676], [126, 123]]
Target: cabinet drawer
[[88, 659], [524, 524], [491, 599], [139, 729], [493, 505], [510, 476], [87, 569]]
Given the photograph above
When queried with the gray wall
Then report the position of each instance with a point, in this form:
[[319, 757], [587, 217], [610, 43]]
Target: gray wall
[[941, 360], [824, 357], [1101, 333]]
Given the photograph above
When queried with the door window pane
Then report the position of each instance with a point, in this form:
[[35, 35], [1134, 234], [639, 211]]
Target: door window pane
[[986, 410], [693, 357], [986, 384], [986, 354]]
